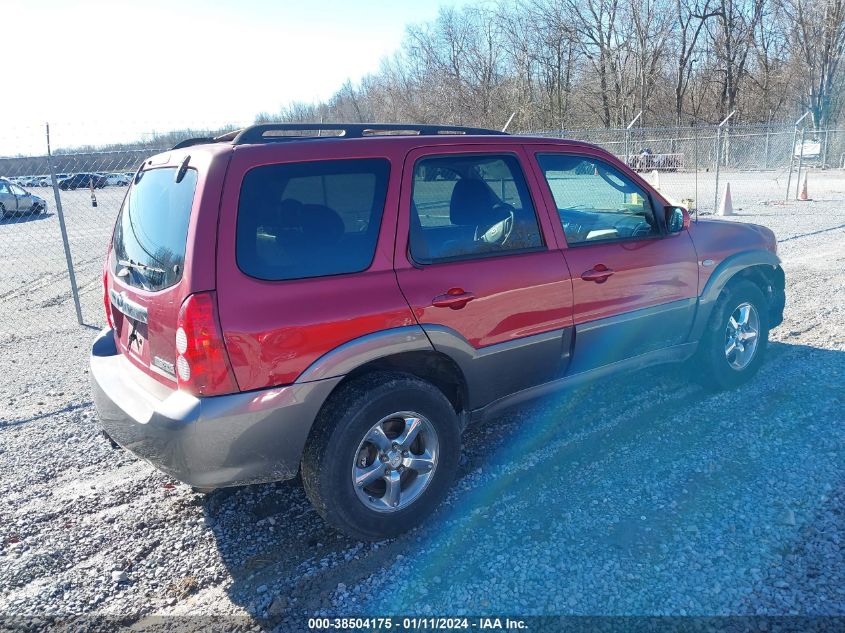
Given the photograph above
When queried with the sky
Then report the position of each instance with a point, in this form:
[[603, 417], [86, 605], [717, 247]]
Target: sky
[[101, 71]]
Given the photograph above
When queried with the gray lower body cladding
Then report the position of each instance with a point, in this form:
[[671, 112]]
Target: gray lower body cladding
[[205, 442], [497, 370], [776, 297], [259, 436]]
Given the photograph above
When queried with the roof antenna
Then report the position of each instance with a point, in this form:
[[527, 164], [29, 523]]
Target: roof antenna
[[505, 129]]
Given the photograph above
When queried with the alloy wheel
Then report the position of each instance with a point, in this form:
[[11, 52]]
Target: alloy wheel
[[742, 335], [395, 461]]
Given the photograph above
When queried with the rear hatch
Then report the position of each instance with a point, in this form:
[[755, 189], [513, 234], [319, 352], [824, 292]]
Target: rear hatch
[[148, 270]]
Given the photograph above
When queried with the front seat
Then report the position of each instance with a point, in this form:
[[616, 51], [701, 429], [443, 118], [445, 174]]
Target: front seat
[[472, 210], [472, 204]]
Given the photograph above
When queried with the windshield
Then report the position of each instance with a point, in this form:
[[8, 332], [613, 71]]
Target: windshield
[[152, 229]]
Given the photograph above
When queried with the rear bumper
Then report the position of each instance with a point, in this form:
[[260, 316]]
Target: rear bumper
[[210, 442]]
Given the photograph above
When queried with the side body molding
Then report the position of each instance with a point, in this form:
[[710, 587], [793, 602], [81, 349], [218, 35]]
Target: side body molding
[[343, 359], [723, 273], [612, 339], [498, 370], [490, 373]]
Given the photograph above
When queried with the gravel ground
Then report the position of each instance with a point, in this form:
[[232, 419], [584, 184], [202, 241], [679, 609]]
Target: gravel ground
[[644, 496]]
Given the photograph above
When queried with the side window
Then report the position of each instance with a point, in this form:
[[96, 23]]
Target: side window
[[466, 206], [596, 202], [4, 188], [18, 191], [298, 220]]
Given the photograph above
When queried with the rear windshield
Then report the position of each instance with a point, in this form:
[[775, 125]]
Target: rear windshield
[[299, 220], [152, 229]]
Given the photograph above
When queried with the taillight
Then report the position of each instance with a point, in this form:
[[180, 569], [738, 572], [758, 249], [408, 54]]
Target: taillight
[[106, 300], [202, 364]]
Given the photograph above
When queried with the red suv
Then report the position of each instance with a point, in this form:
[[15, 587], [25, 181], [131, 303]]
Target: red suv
[[344, 299]]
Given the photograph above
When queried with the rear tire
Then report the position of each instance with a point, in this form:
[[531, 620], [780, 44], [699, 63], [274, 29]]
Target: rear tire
[[3, 215], [382, 455], [736, 338]]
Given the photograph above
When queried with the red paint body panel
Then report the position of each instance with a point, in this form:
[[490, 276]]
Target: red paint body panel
[[163, 306], [516, 295], [527, 294], [275, 329], [646, 272], [719, 239]]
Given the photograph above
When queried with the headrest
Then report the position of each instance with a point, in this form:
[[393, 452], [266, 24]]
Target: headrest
[[322, 221], [472, 203], [288, 214]]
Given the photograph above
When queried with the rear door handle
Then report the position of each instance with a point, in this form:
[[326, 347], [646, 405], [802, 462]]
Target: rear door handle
[[598, 273], [455, 299]]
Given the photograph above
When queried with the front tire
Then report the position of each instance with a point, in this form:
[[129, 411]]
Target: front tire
[[736, 338], [383, 453]]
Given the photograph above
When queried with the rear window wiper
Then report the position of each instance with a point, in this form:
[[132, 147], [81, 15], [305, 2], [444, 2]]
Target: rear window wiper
[[129, 264]]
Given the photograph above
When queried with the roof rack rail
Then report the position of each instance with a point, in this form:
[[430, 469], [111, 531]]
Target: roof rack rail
[[188, 142], [259, 133]]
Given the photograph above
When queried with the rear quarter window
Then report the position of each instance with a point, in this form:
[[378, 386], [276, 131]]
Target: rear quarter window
[[313, 219]]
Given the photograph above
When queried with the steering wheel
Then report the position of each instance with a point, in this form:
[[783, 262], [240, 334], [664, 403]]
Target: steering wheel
[[642, 230], [605, 175], [499, 232]]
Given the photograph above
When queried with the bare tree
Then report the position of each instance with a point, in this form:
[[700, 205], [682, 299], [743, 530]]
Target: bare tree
[[819, 34], [691, 19], [571, 63], [769, 73], [733, 39], [520, 46], [597, 24], [555, 52], [651, 22]]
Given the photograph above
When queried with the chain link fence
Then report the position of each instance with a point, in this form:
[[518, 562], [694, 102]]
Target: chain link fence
[[57, 210], [59, 206], [693, 165]]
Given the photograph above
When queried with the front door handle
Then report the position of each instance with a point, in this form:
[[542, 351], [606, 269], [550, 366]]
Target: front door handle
[[455, 298], [598, 273]]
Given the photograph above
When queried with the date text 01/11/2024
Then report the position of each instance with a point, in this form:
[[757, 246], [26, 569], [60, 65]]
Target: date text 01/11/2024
[[373, 624]]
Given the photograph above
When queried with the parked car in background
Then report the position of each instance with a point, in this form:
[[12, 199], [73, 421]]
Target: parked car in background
[[83, 181], [15, 200], [47, 181], [117, 180], [281, 304]]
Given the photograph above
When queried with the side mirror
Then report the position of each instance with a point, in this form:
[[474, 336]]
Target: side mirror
[[677, 219]]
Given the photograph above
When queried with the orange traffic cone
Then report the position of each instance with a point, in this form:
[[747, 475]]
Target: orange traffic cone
[[803, 195], [727, 207]]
